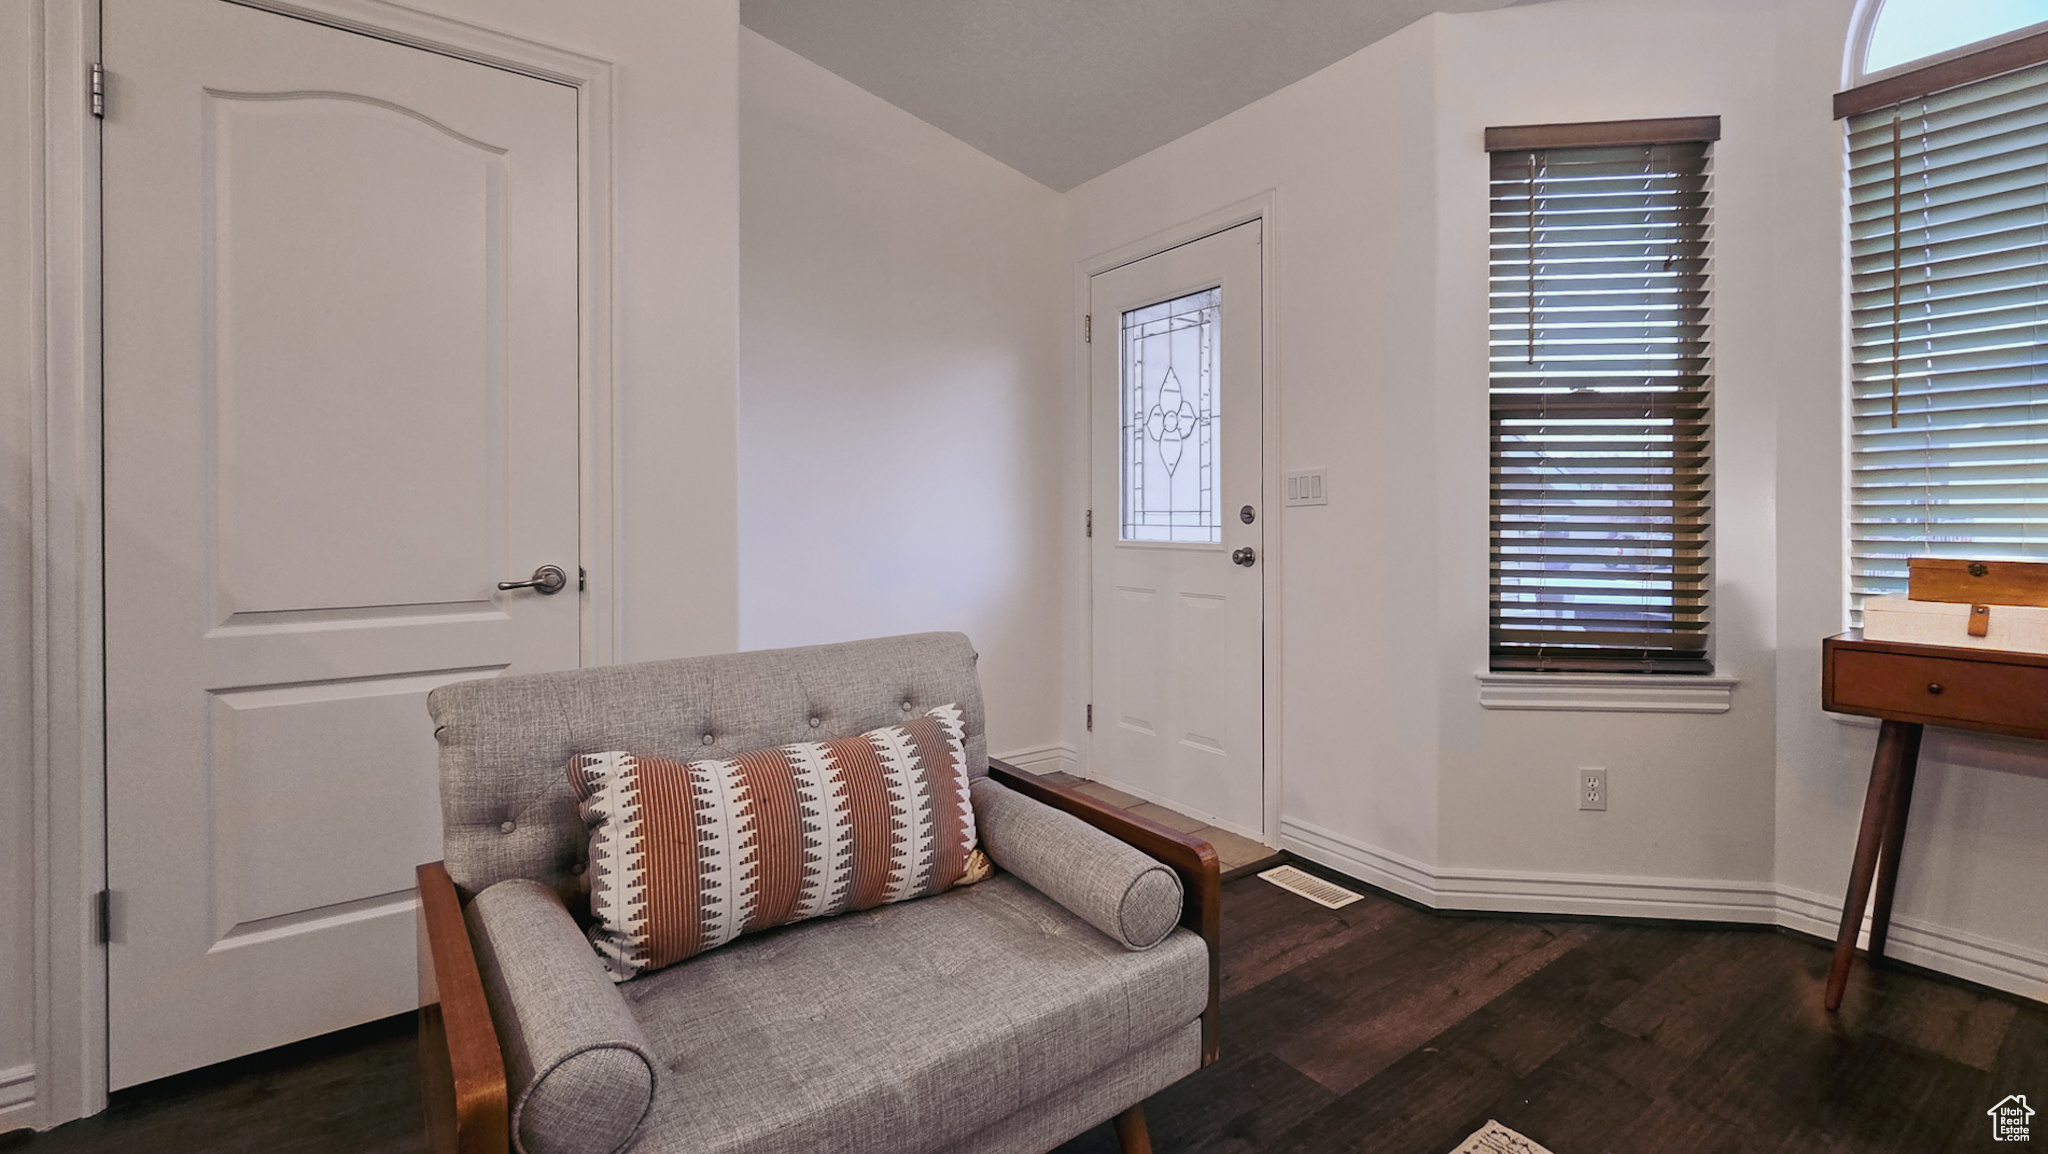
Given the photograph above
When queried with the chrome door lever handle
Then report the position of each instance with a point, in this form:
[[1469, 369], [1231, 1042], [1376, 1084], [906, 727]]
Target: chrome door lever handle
[[547, 579], [1245, 556]]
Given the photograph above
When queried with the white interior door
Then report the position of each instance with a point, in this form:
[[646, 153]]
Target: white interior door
[[341, 405], [1176, 365]]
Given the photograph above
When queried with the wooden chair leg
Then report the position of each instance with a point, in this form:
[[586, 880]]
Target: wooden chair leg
[[1130, 1131]]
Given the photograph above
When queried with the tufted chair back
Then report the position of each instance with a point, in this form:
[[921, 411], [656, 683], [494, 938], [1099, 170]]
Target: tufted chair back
[[506, 809]]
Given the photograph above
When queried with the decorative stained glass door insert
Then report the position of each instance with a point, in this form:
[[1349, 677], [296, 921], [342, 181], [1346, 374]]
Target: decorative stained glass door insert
[[1172, 414]]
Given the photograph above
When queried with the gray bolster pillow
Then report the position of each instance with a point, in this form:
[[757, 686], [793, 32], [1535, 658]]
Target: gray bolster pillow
[[578, 1069], [1104, 882]]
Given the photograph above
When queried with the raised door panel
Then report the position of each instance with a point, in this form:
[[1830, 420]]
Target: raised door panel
[[309, 193], [322, 795], [1202, 660], [1140, 646]]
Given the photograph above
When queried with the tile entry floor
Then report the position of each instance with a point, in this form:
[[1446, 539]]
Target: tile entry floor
[[1234, 852]]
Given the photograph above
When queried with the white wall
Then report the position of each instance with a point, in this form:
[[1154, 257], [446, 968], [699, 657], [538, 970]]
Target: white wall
[[901, 370], [675, 241], [1354, 252], [1690, 797], [19, 40], [1381, 181], [1390, 767]]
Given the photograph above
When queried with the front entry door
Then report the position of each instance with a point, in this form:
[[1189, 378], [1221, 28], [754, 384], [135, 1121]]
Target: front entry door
[[1176, 367], [341, 405]]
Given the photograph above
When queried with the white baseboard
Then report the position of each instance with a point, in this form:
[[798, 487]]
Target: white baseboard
[[1958, 953], [2000, 965], [17, 1097], [1514, 891], [1389, 871], [1041, 759]]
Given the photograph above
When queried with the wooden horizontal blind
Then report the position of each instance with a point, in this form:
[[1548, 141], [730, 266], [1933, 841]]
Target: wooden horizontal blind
[[1948, 228], [1601, 404]]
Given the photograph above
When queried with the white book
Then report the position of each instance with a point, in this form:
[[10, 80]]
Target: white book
[[2012, 628]]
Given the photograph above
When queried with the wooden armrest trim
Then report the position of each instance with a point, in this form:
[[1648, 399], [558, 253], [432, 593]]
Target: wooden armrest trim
[[462, 1069], [1189, 856]]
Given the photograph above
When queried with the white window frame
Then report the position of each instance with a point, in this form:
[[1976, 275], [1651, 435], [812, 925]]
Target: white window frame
[[1864, 23]]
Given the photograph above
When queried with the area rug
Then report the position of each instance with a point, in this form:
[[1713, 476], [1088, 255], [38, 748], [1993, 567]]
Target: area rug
[[1494, 1138]]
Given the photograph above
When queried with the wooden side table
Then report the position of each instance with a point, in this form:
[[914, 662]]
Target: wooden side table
[[1909, 687]]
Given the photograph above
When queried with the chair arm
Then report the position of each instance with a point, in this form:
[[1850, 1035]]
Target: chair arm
[[1189, 856], [462, 1071]]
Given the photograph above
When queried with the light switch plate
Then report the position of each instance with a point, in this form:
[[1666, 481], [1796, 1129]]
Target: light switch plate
[[1308, 487]]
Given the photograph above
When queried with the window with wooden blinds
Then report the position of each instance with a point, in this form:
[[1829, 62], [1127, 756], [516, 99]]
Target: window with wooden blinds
[[1948, 234], [1601, 399]]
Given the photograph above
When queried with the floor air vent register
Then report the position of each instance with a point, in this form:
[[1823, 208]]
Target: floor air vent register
[[1308, 885]]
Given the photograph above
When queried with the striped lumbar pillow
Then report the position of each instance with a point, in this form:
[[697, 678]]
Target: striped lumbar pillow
[[686, 856]]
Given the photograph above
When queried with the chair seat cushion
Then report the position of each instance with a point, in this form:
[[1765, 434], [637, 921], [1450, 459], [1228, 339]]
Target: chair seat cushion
[[902, 1029]]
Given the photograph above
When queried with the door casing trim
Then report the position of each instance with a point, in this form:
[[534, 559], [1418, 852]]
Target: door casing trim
[[1265, 208], [67, 592]]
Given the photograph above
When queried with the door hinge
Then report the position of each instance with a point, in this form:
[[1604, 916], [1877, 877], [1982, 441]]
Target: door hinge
[[1088, 329], [103, 916], [1090, 529], [99, 91], [1091, 717]]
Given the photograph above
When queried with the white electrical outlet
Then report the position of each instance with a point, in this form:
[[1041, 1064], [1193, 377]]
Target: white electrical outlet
[[1308, 487], [1592, 788]]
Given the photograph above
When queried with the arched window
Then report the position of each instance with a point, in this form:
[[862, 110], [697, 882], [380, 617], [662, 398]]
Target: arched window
[[1901, 32], [1948, 248]]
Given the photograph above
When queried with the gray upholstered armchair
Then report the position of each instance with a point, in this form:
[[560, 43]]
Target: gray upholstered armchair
[[1005, 1016]]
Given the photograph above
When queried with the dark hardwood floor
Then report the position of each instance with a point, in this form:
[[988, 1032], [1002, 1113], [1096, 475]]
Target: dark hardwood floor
[[353, 1092], [1381, 1027], [1385, 1029]]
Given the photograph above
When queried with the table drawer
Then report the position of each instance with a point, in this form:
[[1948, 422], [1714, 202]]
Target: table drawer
[[1937, 689]]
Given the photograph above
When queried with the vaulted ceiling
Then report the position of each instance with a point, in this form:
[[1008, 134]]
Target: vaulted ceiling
[[1064, 90]]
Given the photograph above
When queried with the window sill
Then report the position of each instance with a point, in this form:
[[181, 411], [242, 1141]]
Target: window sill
[[1607, 692]]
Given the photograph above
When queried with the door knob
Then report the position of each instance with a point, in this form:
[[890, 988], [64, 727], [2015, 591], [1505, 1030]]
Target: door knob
[[1245, 556], [547, 579]]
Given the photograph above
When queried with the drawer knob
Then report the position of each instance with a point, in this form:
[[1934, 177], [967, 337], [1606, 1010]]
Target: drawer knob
[[1934, 687]]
